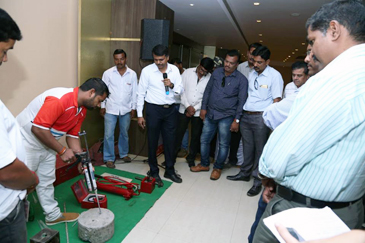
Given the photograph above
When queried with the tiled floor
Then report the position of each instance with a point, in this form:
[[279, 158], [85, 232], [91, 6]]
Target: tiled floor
[[198, 210]]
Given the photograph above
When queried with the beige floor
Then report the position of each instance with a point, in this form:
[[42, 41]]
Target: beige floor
[[198, 210]]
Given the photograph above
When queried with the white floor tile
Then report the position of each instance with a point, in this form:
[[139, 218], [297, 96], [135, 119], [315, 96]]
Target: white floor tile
[[198, 210]]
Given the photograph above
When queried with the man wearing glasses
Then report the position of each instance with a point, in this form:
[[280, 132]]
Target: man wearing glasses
[[265, 88], [223, 98], [194, 80]]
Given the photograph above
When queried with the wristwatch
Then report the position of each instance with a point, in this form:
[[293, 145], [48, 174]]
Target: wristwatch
[[237, 120], [172, 86]]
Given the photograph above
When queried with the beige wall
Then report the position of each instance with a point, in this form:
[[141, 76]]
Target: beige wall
[[46, 57]]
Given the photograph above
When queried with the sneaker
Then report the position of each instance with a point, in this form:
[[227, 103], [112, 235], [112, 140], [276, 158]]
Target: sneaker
[[66, 217], [110, 164], [126, 159]]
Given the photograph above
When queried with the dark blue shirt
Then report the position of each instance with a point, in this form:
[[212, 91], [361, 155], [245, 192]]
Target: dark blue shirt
[[221, 102]]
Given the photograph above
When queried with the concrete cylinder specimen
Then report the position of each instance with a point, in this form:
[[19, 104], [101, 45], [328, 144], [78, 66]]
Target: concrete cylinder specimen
[[95, 227]]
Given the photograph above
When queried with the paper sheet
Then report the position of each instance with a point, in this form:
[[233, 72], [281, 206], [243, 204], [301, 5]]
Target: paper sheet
[[309, 223]]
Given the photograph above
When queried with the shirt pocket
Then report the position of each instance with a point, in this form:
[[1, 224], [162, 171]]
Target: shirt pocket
[[230, 90], [263, 90]]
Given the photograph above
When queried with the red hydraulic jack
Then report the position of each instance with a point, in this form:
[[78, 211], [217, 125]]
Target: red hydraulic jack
[[117, 186]]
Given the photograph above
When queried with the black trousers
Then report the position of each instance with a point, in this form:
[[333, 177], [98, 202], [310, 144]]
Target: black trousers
[[161, 120], [233, 149], [196, 131]]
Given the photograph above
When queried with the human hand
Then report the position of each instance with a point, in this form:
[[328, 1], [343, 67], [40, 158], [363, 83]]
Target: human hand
[[202, 114], [234, 127], [141, 122], [68, 156], [102, 112]]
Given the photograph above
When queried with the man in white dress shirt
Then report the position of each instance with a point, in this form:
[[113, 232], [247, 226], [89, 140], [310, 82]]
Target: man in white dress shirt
[[194, 81], [15, 177], [120, 105], [157, 85]]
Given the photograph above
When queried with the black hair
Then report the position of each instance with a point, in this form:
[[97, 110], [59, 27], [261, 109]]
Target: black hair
[[160, 50], [119, 51], [254, 45], [175, 60], [299, 65], [8, 28], [234, 53], [97, 84], [263, 52], [207, 63], [349, 13]]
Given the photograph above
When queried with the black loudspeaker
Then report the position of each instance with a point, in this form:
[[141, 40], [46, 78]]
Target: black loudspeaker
[[154, 32]]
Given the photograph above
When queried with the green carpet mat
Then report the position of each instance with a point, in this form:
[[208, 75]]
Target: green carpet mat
[[127, 213]]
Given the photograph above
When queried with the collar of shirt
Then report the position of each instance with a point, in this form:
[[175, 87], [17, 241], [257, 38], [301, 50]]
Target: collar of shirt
[[168, 68], [115, 69]]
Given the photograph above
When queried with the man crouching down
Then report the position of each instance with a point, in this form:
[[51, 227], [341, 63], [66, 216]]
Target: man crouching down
[[43, 122]]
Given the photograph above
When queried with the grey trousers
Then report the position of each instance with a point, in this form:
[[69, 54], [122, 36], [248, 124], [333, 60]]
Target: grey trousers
[[254, 137], [352, 216]]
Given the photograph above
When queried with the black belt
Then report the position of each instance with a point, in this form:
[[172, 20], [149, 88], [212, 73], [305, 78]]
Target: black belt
[[294, 196], [253, 112], [164, 106]]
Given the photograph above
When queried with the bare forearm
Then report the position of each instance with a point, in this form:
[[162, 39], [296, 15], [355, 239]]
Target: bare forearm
[[17, 176], [74, 144], [46, 137]]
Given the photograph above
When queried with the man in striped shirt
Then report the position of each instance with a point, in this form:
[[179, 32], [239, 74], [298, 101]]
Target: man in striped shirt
[[52, 114], [322, 163]]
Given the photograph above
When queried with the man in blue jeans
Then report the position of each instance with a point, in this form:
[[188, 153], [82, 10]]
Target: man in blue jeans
[[221, 109], [120, 105]]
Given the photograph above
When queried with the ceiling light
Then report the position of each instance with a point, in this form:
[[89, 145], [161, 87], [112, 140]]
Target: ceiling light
[[296, 49], [221, 47], [293, 53], [192, 4], [256, 4], [260, 34], [288, 56], [261, 41], [295, 14], [303, 44], [258, 21]]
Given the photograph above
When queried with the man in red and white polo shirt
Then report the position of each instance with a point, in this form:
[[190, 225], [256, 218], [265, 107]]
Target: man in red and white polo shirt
[[52, 114]]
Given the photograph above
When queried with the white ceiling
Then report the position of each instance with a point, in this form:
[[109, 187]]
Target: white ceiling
[[227, 23]]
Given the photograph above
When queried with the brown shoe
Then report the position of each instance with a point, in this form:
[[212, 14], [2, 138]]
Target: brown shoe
[[126, 159], [199, 168], [216, 173], [66, 217], [110, 164]]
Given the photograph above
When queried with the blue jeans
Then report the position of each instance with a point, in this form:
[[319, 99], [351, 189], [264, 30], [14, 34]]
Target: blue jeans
[[109, 127], [13, 228], [209, 129], [260, 211]]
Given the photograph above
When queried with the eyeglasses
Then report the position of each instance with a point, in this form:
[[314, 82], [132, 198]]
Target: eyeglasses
[[256, 84], [223, 81]]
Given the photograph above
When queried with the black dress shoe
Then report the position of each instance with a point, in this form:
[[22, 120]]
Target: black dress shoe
[[254, 191], [173, 177], [239, 177], [158, 180]]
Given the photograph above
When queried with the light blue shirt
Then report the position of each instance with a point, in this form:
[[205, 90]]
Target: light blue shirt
[[270, 87], [319, 151], [277, 112]]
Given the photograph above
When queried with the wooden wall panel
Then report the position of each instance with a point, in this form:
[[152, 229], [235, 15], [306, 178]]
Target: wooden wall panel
[[164, 12], [127, 16]]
